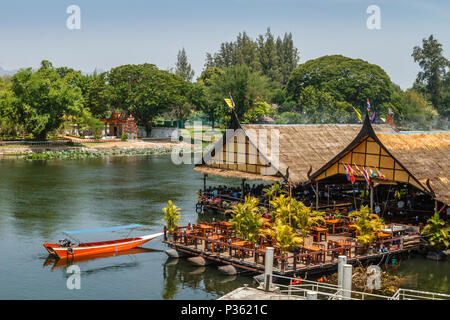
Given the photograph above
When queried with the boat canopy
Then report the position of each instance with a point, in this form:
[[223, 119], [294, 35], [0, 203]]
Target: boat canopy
[[131, 226]]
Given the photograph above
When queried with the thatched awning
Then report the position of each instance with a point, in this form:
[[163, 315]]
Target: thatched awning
[[235, 174]]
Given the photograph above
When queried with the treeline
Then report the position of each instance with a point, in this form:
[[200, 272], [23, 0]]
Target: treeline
[[263, 76]]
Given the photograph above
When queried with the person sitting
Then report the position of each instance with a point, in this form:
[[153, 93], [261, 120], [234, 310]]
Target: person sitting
[[298, 281], [383, 249]]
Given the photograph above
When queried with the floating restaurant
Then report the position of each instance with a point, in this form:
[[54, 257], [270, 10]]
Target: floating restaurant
[[334, 170]]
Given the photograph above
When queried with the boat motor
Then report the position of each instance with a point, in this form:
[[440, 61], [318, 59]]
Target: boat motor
[[65, 243]]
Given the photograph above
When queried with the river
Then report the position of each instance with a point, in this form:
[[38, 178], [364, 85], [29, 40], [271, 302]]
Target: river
[[39, 199]]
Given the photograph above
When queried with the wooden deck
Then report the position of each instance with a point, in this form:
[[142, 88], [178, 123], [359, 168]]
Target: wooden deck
[[321, 261]]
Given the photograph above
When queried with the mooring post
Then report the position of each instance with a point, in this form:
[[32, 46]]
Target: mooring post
[[311, 295], [341, 261], [347, 281], [268, 268]]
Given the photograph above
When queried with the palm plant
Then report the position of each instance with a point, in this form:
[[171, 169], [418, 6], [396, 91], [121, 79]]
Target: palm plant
[[437, 232], [246, 220], [273, 191], [284, 237], [171, 215], [367, 224], [281, 208], [305, 218]]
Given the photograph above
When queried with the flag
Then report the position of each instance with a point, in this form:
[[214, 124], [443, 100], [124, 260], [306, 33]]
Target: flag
[[352, 176], [358, 114], [372, 174], [366, 175], [374, 114], [368, 105], [346, 172], [359, 170], [229, 103], [380, 175], [232, 101]]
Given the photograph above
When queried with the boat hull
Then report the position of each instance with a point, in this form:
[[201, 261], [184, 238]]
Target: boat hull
[[85, 249]]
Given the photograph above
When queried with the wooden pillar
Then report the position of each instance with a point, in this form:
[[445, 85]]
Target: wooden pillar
[[328, 193], [371, 197], [317, 195], [204, 182], [243, 185]]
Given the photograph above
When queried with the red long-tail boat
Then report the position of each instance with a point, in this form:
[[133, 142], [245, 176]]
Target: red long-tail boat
[[66, 249]]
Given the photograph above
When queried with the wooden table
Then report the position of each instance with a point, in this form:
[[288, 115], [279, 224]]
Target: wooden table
[[240, 244], [333, 223], [320, 231], [205, 228], [311, 249], [214, 237]]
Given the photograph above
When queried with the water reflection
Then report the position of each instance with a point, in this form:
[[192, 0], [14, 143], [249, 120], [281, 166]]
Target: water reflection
[[179, 274]]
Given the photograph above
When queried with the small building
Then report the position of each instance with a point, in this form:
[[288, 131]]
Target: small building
[[120, 122]]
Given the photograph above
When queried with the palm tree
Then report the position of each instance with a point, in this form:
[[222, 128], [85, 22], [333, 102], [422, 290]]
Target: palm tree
[[246, 220], [367, 224], [171, 215], [304, 218], [284, 237], [437, 232], [281, 208], [273, 191]]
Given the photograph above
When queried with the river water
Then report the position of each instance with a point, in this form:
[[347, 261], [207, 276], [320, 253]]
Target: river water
[[39, 199]]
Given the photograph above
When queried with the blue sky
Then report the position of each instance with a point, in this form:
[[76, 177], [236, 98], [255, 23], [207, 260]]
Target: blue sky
[[136, 31]]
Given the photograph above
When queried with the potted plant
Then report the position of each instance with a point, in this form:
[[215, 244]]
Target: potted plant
[[246, 220], [437, 232], [171, 216], [367, 225], [284, 237]]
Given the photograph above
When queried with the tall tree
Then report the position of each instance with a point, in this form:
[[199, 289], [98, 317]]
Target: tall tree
[[268, 56], [209, 105], [182, 67], [347, 80], [245, 86], [435, 69], [146, 91], [38, 100]]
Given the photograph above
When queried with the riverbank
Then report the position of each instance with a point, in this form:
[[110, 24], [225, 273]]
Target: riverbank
[[90, 149]]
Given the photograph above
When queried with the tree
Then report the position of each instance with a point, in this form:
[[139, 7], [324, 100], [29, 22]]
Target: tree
[[98, 94], [284, 237], [246, 88], [246, 220], [437, 232], [352, 81], [435, 70], [367, 224], [39, 100], [207, 104], [268, 57], [146, 91], [171, 215], [182, 67]]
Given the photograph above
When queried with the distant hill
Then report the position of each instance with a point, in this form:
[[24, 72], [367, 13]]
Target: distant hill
[[4, 72]]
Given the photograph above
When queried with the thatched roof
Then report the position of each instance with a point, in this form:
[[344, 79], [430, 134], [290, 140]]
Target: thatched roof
[[309, 147], [426, 156]]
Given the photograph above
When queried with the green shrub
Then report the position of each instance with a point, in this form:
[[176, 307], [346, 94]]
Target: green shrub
[[124, 137]]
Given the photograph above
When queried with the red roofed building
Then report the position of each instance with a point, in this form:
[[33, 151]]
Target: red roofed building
[[120, 122]]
